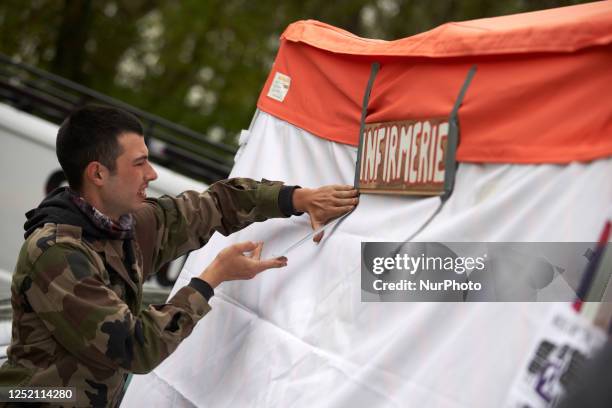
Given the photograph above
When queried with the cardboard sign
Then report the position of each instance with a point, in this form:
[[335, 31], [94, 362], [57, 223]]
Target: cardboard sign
[[404, 157]]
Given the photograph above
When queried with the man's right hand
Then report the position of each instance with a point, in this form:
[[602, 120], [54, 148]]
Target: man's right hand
[[233, 264]]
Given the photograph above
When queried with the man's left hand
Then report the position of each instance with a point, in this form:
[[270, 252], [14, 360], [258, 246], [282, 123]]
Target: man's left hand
[[325, 203]]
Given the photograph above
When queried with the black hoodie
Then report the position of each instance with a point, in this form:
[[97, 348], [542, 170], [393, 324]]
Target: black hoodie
[[58, 208]]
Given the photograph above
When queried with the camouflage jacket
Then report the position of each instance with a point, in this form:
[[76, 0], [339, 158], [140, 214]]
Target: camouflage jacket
[[77, 319]]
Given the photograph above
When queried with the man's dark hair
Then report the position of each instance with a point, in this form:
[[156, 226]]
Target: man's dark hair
[[90, 134]]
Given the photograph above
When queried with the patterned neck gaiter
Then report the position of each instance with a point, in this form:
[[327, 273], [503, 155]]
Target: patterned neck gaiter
[[122, 229]]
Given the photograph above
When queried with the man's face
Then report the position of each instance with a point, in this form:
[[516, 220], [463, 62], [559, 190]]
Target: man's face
[[125, 190]]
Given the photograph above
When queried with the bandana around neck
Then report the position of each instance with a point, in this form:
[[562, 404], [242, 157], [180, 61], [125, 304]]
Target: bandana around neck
[[121, 229]]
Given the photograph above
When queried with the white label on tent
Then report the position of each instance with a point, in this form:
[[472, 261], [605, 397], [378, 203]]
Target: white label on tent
[[564, 343], [280, 87]]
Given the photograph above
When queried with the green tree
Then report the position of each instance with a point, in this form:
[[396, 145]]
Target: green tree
[[201, 63]]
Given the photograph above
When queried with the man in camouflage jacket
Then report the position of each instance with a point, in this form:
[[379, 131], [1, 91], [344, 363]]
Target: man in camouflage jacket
[[77, 286]]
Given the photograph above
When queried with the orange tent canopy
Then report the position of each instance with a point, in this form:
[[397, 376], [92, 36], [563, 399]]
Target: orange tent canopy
[[542, 92]]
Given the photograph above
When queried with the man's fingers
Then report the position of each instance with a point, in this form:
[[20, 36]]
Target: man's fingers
[[343, 187], [345, 202], [279, 262], [247, 246], [316, 224], [256, 254], [346, 194]]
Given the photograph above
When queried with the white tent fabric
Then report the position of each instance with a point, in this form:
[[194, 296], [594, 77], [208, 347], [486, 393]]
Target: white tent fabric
[[301, 336]]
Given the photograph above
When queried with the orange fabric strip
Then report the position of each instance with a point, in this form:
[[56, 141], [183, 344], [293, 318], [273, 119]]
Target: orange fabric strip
[[522, 107]]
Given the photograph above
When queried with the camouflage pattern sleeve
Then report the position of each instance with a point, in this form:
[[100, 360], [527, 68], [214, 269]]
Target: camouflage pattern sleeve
[[188, 221], [71, 295]]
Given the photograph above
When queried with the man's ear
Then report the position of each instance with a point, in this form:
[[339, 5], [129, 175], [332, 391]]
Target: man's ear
[[96, 173]]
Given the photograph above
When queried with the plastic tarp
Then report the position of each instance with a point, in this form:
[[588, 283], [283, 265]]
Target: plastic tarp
[[301, 336]]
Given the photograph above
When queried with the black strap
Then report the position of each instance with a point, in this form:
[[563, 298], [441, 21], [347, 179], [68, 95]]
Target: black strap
[[364, 112], [451, 162], [453, 138]]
